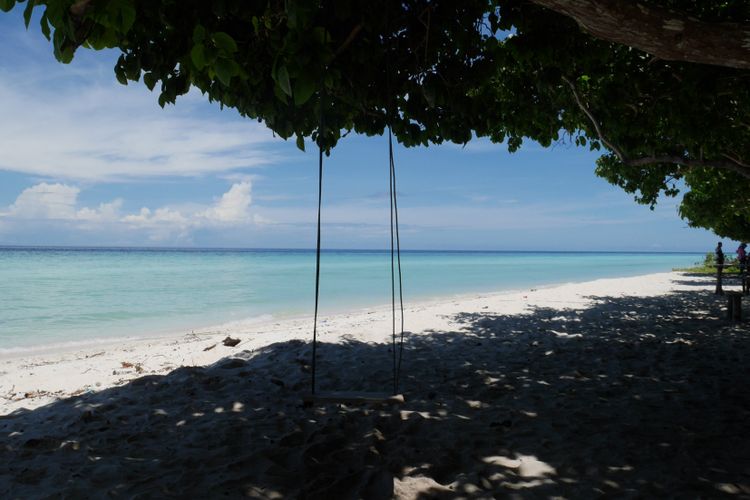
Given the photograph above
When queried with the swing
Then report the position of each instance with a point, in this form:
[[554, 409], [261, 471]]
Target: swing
[[353, 397]]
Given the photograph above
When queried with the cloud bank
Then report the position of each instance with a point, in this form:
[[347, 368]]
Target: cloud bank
[[57, 202], [104, 132]]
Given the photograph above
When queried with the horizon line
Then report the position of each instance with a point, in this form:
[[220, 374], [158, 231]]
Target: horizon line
[[299, 249]]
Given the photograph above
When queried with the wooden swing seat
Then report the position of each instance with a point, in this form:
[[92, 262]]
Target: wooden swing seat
[[354, 398]]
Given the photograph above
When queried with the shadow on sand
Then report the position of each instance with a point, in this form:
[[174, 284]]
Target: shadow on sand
[[631, 397], [700, 280]]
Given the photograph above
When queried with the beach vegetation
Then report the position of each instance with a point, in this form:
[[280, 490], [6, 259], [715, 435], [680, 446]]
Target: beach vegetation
[[666, 117], [708, 266]]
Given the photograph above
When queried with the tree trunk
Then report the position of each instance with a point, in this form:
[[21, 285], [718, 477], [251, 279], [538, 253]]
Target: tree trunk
[[666, 34]]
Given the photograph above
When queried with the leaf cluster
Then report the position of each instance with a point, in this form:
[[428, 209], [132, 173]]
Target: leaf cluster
[[353, 65], [719, 201]]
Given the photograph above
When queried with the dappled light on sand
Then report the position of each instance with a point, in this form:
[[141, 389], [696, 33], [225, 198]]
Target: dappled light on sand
[[627, 396]]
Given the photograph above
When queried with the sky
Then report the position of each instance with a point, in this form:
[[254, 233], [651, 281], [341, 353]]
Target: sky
[[86, 161]]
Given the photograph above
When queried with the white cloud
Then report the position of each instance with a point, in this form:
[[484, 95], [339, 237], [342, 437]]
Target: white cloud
[[232, 206], [164, 215], [74, 129], [104, 212], [45, 201], [59, 202]]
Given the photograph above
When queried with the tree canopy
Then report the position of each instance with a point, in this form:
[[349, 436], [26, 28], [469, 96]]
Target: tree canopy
[[662, 89]]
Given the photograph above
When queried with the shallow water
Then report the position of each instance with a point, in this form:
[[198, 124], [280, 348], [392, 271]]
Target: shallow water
[[57, 296]]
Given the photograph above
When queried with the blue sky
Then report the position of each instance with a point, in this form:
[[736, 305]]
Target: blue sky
[[87, 161]]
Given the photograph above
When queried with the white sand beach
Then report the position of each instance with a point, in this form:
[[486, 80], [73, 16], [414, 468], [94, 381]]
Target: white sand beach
[[635, 387]]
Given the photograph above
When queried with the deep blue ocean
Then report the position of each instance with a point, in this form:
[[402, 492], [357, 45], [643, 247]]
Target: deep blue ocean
[[51, 296]]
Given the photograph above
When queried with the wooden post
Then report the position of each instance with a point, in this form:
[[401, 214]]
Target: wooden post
[[719, 270], [734, 306]]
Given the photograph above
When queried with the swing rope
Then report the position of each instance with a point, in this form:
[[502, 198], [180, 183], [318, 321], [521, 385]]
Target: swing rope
[[394, 225], [395, 256], [321, 134], [394, 219]]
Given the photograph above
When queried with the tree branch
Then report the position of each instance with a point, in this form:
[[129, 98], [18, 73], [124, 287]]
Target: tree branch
[[737, 160], [666, 34], [585, 109], [731, 163], [733, 166], [349, 39]]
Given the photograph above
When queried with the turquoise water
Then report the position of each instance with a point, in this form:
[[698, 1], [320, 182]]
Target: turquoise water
[[58, 296]]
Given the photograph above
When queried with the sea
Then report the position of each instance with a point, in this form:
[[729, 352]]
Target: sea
[[53, 297]]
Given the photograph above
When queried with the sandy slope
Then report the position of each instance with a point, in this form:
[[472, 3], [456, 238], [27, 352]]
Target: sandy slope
[[634, 386]]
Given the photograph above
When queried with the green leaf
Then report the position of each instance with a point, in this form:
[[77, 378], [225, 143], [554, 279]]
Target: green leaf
[[282, 80], [108, 39], [150, 80], [66, 55], [132, 67], [127, 15], [303, 90], [63, 52], [280, 95], [96, 44], [185, 83], [224, 42], [198, 55], [57, 40], [120, 75], [6, 5], [300, 143], [224, 70], [199, 34], [44, 23], [27, 12]]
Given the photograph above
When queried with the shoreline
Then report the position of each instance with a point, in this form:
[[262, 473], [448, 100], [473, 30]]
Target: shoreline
[[165, 333], [97, 298], [33, 379], [261, 320]]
